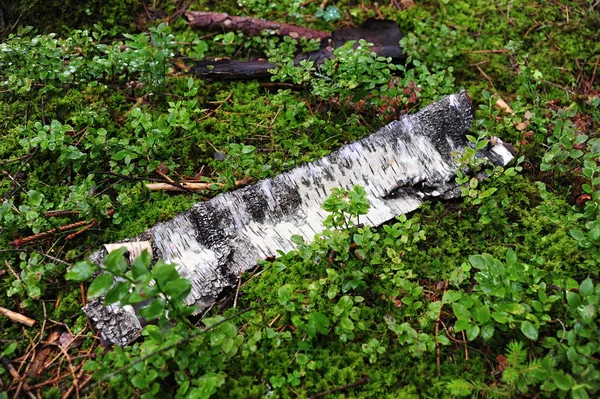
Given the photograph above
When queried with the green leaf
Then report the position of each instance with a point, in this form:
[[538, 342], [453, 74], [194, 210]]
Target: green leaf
[[35, 197], [451, 296], [139, 382], [579, 392], [81, 271], [317, 323], [563, 381], [119, 156], [460, 311], [116, 293], [116, 262], [139, 267], [163, 272], [461, 325], [577, 234], [100, 285], [9, 349], [284, 293], [487, 331], [501, 317], [472, 331], [178, 289], [347, 324], [301, 359], [573, 299], [587, 287], [154, 310], [477, 261], [511, 257], [529, 330], [481, 314]]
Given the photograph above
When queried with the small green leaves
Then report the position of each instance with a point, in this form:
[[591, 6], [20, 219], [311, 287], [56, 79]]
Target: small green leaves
[[100, 285], [115, 261], [563, 381], [81, 271], [285, 293], [451, 296], [461, 312], [586, 288], [529, 330]]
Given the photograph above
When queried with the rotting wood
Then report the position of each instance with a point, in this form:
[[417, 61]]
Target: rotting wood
[[405, 163], [250, 26], [384, 35]]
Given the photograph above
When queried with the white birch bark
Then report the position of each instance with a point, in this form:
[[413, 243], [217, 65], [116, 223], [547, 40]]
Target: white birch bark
[[400, 166]]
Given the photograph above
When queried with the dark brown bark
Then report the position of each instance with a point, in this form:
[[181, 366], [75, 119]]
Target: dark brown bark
[[384, 35], [249, 26]]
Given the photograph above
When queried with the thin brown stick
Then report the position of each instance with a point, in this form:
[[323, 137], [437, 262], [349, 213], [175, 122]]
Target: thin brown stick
[[135, 178], [17, 377], [250, 26], [167, 178], [12, 270], [487, 51], [342, 388], [81, 231], [591, 83], [17, 317], [237, 291], [486, 76], [214, 111], [59, 213], [14, 159], [466, 347], [190, 186], [36, 237]]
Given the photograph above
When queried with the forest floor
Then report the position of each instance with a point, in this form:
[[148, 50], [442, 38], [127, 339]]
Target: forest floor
[[495, 294]]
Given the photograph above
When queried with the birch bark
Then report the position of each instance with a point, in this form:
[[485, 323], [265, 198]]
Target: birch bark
[[400, 166]]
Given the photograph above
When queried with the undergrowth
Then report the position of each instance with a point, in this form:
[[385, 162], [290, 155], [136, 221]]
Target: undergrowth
[[494, 294]]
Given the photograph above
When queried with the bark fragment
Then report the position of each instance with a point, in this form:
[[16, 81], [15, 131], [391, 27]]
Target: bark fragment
[[250, 26], [400, 166]]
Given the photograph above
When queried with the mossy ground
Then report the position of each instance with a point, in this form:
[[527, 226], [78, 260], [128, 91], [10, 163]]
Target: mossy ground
[[487, 45]]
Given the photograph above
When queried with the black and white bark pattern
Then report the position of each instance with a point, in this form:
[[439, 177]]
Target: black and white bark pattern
[[400, 166]]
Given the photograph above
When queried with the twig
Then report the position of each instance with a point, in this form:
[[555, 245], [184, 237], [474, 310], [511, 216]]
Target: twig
[[167, 178], [237, 291], [190, 186], [36, 237], [274, 320], [10, 268], [214, 111], [591, 83], [16, 377], [466, 347], [486, 76], [486, 51], [14, 159], [17, 317], [135, 178], [91, 224], [342, 388]]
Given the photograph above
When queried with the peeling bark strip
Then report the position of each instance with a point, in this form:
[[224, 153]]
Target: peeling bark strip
[[400, 166], [250, 26]]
